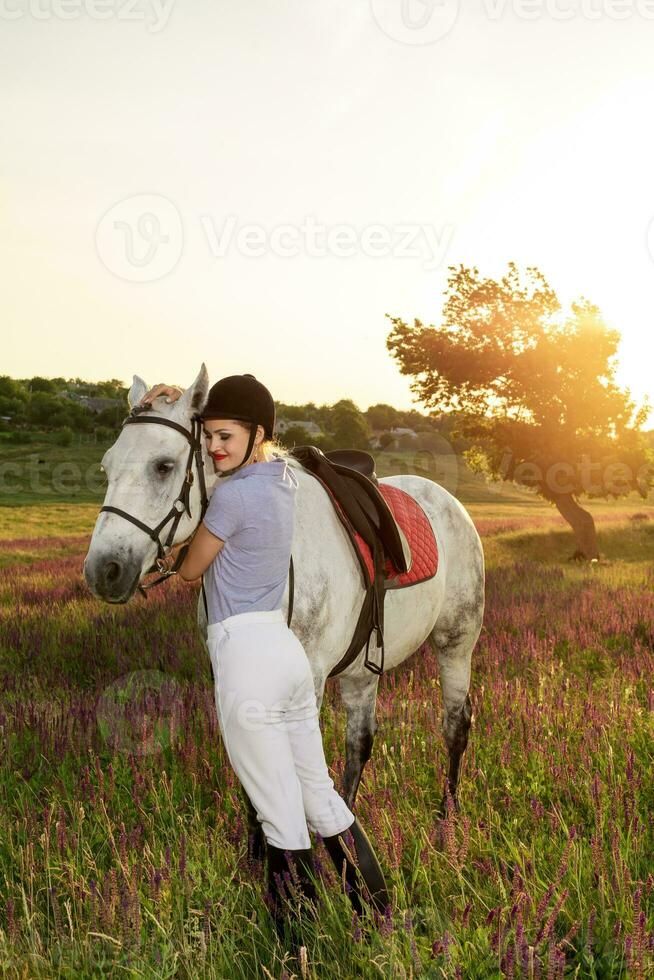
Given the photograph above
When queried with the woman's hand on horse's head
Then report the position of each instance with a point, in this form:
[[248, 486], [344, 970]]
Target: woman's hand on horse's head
[[171, 391]]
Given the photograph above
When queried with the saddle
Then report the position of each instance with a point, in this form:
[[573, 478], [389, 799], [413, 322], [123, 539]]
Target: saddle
[[349, 477]]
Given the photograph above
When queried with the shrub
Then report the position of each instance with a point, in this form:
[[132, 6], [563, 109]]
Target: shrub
[[17, 438], [104, 433], [64, 437]]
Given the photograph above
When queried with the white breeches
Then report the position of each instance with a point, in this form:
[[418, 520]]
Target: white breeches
[[268, 717]]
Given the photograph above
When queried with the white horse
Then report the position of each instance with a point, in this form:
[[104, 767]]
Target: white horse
[[145, 468]]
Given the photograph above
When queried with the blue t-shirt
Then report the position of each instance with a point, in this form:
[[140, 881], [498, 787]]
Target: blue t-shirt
[[253, 512]]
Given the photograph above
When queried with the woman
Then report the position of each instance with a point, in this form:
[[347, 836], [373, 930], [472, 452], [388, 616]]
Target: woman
[[265, 696]]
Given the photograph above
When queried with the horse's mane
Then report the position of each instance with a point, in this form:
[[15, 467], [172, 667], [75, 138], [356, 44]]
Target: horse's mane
[[289, 459]]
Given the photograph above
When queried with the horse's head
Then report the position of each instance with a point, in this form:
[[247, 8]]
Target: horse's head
[[146, 468]]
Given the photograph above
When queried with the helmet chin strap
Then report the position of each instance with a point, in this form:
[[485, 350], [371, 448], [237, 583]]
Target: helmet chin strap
[[253, 433]]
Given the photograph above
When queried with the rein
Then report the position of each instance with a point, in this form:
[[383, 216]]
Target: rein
[[181, 504]]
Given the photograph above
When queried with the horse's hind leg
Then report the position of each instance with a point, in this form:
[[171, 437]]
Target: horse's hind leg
[[454, 651], [359, 694]]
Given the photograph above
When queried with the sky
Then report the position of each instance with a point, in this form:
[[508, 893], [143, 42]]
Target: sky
[[254, 186]]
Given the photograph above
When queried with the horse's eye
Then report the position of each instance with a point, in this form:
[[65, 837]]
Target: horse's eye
[[164, 467]]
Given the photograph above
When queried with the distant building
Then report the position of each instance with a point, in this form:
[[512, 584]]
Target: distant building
[[281, 425], [88, 401], [73, 395], [99, 404], [403, 432], [396, 435]]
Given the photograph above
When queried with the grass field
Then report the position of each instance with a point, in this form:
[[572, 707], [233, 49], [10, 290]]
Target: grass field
[[123, 851]]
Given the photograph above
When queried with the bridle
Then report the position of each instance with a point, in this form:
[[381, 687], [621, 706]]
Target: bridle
[[182, 503]]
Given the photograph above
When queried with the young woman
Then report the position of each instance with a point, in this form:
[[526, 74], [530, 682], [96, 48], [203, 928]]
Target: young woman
[[265, 696]]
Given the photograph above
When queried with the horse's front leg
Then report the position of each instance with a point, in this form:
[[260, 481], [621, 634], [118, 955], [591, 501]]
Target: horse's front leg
[[359, 694]]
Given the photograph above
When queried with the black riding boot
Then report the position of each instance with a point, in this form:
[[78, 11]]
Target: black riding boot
[[301, 861], [367, 866]]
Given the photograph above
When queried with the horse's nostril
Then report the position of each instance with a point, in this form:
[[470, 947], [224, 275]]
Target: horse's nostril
[[112, 571]]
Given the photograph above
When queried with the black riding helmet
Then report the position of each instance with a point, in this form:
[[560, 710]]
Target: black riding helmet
[[242, 397]]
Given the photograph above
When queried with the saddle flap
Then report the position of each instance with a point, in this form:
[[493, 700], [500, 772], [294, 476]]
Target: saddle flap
[[361, 500], [383, 520]]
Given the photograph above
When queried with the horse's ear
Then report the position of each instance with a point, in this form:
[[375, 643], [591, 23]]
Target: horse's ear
[[136, 392], [195, 397]]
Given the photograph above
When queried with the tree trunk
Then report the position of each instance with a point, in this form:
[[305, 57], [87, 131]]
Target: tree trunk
[[581, 522]]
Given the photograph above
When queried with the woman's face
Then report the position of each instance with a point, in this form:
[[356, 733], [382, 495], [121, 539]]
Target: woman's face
[[227, 442]]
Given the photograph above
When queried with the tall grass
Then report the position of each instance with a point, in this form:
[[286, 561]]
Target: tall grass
[[123, 849]]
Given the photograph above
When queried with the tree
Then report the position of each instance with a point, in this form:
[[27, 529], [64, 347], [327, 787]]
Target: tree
[[10, 388], [65, 436], [381, 416], [295, 435], [43, 384], [112, 389], [534, 390], [47, 410], [349, 426]]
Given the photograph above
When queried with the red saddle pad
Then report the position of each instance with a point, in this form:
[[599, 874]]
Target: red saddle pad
[[417, 530]]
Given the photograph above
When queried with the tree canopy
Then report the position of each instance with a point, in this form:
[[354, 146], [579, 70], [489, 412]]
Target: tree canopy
[[534, 388]]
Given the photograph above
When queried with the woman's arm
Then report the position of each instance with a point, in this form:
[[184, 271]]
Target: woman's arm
[[201, 552], [171, 391]]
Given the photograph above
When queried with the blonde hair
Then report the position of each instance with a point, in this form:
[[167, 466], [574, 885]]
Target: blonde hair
[[268, 449]]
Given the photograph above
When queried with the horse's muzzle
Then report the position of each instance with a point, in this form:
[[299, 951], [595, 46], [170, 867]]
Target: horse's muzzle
[[111, 578]]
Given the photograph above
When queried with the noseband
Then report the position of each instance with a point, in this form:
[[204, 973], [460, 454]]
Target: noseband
[[182, 503]]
